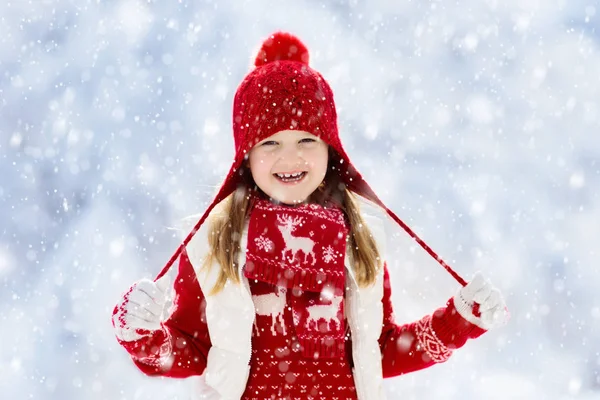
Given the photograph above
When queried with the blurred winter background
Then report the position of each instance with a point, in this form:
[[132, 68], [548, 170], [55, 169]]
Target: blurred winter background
[[478, 122]]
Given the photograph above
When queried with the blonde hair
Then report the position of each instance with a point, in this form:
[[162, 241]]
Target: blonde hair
[[227, 222]]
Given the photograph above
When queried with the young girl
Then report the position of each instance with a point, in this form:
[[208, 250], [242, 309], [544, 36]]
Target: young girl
[[284, 292]]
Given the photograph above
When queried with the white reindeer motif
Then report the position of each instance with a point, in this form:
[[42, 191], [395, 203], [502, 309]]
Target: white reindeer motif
[[328, 312], [271, 304], [295, 244]]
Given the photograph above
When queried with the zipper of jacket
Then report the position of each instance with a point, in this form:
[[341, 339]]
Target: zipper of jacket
[[244, 281], [246, 284], [358, 377]]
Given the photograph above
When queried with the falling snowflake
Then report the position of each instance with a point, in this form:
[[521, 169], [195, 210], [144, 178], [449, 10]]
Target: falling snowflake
[[323, 226], [264, 243], [329, 254], [311, 233]]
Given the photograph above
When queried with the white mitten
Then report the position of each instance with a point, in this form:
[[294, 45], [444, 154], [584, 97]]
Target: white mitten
[[139, 312], [481, 304]]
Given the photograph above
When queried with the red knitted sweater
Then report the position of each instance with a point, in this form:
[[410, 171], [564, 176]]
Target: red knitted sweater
[[277, 369], [278, 365]]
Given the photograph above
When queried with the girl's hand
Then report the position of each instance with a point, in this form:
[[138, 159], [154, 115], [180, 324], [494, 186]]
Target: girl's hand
[[481, 304], [139, 312]]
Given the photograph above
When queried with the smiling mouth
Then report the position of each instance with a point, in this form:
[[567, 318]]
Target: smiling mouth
[[289, 178]]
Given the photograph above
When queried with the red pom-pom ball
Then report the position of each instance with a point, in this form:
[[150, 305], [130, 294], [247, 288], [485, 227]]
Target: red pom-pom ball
[[281, 46]]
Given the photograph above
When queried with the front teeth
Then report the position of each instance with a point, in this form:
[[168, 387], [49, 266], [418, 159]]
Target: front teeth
[[297, 174]]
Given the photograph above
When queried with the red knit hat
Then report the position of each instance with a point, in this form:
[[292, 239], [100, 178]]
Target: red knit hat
[[282, 92]]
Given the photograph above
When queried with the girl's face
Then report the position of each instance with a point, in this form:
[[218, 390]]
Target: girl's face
[[289, 165]]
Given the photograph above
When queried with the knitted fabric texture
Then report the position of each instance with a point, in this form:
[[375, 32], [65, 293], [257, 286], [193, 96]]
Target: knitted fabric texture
[[283, 95], [278, 367], [302, 249]]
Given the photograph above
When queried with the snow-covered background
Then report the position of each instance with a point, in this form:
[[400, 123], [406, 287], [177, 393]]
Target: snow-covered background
[[478, 122]]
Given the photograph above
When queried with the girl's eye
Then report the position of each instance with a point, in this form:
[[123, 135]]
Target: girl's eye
[[307, 140], [269, 143]]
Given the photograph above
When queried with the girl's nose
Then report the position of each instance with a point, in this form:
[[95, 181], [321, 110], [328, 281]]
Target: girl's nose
[[291, 155]]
